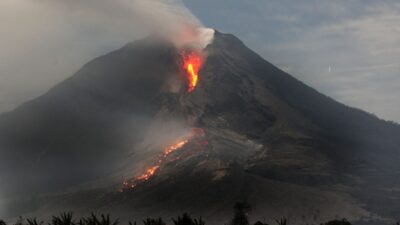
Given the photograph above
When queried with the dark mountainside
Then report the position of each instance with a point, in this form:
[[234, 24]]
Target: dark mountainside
[[287, 149]]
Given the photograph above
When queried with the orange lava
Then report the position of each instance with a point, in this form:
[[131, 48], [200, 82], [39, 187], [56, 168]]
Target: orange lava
[[170, 149], [149, 172], [194, 135], [192, 64]]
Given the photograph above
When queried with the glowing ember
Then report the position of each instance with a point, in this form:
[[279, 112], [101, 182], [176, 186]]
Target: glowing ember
[[192, 64], [149, 172], [196, 135], [168, 150]]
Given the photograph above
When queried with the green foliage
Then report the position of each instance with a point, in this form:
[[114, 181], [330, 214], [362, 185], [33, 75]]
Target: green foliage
[[241, 211], [186, 219], [63, 219], [151, 221]]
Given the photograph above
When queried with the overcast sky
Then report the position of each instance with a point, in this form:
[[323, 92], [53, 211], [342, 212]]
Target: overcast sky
[[347, 49]]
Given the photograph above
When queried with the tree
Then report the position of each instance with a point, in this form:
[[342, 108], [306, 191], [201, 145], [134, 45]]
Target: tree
[[63, 219], [282, 221], [186, 219], [241, 211], [338, 222], [94, 220], [151, 221], [260, 223], [34, 221]]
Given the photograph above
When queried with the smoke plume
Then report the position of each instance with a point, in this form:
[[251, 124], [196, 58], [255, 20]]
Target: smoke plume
[[45, 41], [171, 19]]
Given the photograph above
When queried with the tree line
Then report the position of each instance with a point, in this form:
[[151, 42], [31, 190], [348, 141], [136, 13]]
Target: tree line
[[241, 212]]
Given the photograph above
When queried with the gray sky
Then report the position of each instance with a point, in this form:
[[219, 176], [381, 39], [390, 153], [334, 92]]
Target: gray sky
[[347, 49]]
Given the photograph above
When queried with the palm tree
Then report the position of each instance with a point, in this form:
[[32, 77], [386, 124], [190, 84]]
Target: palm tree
[[281, 221], [63, 219], [151, 221], [34, 221], [94, 220], [186, 219]]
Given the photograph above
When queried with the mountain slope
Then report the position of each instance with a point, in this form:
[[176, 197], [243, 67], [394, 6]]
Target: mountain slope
[[271, 139]]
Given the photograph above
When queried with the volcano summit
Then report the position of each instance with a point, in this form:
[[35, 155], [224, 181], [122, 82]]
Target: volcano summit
[[236, 128]]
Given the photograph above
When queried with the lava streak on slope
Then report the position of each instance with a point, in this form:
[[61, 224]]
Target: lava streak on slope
[[192, 62], [195, 136]]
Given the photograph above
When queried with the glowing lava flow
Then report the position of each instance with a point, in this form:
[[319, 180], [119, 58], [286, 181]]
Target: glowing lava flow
[[168, 150], [197, 135], [192, 64], [149, 172]]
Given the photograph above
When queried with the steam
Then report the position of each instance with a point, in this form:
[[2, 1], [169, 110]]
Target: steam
[[45, 41], [174, 21], [167, 18]]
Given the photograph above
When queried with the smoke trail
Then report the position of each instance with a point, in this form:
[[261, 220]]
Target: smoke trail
[[172, 19]]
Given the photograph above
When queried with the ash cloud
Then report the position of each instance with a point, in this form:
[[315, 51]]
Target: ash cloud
[[43, 42], [174, 21]]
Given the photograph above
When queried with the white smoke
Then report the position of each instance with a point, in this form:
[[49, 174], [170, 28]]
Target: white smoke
[[45, 41], [170, 18]]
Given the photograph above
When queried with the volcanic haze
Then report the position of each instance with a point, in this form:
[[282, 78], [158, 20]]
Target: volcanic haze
[[287, 149]]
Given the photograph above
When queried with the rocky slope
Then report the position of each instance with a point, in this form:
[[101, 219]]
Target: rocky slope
[[271, 139]]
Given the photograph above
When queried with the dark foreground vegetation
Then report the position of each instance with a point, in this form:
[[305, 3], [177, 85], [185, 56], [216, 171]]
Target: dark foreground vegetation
[[240, 217]]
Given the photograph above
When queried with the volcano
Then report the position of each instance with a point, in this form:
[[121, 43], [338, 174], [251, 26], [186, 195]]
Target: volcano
[[262, 135]]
